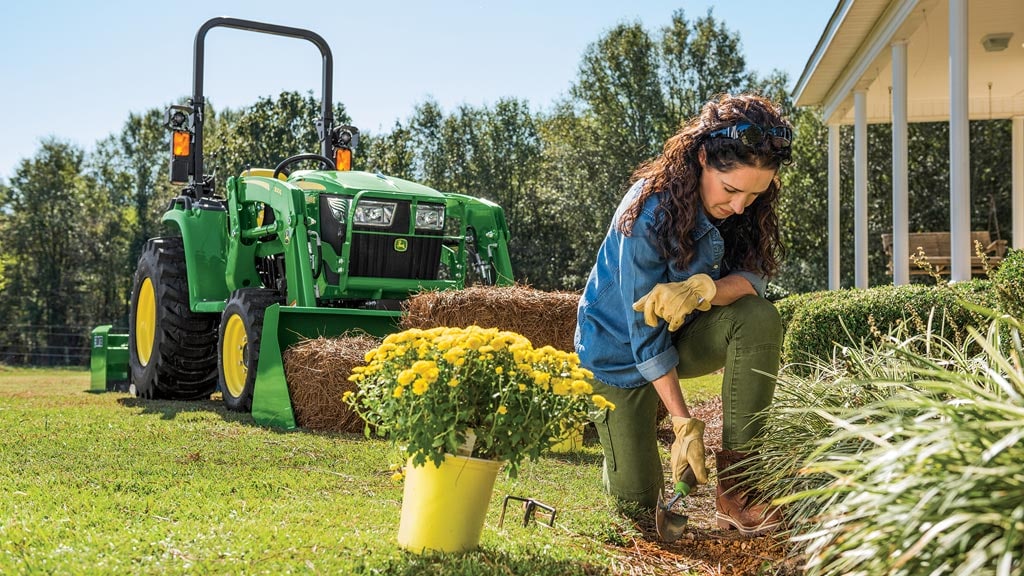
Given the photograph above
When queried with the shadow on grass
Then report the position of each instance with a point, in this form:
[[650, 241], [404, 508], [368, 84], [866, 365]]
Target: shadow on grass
[[480, 562], [171, 409]]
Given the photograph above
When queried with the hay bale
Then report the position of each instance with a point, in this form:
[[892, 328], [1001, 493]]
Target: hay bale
[[317, 372], [544, 318]]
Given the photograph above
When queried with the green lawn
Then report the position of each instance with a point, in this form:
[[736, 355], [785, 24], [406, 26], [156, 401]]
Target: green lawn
[[106, 483]]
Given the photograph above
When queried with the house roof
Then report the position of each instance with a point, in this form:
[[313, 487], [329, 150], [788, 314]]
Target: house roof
[[854, 52]]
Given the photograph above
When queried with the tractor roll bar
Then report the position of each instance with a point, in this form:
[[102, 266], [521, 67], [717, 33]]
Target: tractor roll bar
[[327, 118]]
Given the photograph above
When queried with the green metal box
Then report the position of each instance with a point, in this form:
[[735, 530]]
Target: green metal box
[[109, 360]]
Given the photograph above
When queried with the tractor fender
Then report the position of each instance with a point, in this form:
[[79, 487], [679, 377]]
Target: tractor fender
[[202, 227]]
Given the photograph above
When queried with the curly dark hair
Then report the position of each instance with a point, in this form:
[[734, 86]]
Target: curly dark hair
[[751, 238]]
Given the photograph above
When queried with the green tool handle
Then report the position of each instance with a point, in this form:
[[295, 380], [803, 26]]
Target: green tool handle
[[686, 483]]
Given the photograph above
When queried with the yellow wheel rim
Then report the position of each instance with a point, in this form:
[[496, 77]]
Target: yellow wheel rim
[[234, 350], [145, 322]]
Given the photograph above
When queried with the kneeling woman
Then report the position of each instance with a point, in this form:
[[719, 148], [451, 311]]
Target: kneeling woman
[[678, 291]]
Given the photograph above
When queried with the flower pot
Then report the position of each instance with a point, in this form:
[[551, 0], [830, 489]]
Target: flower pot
[[570, 441], [443, 508]]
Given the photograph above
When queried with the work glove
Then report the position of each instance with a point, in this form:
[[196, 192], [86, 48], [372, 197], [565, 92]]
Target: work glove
[[674, 301], [688, 449]]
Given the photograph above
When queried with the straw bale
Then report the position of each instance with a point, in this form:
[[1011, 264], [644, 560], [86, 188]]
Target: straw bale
[[544, 318], [317, 372]]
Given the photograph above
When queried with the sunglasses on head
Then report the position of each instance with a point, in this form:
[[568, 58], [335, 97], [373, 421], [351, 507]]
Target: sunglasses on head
[[754, 135]]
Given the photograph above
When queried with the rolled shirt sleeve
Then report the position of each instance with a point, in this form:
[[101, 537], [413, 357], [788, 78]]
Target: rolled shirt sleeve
[[760, 283]]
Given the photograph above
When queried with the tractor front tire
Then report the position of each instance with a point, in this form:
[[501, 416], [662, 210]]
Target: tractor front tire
[[172, 351], [241, 326]]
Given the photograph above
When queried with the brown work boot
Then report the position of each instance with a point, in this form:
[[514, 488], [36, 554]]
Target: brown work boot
[[737, 508]]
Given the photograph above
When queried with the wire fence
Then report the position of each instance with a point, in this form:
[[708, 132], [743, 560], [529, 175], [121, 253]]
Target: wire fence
[[38, 345]]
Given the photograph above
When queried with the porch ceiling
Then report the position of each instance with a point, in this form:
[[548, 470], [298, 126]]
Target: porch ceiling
[[855, 52]]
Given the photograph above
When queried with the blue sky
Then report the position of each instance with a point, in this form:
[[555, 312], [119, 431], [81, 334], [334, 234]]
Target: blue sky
[[76, 69]]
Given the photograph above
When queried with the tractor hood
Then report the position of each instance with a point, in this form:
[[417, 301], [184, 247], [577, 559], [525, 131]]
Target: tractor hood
[[354, 181]]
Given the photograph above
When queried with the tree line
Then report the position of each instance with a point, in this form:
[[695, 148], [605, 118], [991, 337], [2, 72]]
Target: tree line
[[73, 222]]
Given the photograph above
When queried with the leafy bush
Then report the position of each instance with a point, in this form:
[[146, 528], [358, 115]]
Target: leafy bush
[[1008, 281], [816, 323], [893, 461]]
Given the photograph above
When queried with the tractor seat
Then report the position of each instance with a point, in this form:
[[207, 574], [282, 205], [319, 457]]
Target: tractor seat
[[265, 172]]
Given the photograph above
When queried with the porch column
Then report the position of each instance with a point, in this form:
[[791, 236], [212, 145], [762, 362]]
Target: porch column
[[834, 233], [959, 146], [860, 187], [900, 210], [1017, 171]]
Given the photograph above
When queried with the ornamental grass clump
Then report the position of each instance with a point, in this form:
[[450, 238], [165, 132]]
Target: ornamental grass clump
[[904, 458], [471, 391]]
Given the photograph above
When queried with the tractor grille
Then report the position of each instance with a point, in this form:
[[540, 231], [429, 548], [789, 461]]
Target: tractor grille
[[375, 256], [385, 253]]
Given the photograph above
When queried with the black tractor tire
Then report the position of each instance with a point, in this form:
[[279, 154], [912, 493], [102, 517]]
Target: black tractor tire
[[241, 327], [172, 351]]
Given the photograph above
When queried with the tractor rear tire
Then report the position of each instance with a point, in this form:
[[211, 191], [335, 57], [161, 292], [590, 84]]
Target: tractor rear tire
[[241, 326], [172, 351]]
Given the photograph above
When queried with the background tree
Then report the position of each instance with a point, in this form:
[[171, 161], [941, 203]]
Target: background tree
[[264, 134], [59, 233], [700, 59]]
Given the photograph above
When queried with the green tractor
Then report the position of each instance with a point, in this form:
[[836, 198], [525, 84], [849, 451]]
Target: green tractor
[[289, 254]]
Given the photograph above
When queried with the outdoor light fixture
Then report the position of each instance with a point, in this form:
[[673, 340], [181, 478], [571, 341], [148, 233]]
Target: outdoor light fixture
[[996, 42]]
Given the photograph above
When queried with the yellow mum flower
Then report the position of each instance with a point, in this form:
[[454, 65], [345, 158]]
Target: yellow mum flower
[[498, 370], [426, 369], [601, 402], [419, 387], [348, 394], [398, 392], [560, 387], [405, 377], [541, 378], [453, 355], [397, 477], [581, 387], [522, 387], [502, 409], [453, 382]]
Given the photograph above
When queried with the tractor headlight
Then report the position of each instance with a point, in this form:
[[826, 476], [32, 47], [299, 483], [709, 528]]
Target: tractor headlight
[[339, 208], [373, 213], [430, 216]]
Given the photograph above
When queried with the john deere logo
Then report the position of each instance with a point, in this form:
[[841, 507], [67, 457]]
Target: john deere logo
[[401, 244]]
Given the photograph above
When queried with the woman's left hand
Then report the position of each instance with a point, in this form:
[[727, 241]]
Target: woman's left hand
[[674, 301]]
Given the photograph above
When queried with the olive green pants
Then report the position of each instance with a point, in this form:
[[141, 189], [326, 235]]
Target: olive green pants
[[745, 339]]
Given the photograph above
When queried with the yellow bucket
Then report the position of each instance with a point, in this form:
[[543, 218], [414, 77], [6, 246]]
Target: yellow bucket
[[570, 441], [443, 508]]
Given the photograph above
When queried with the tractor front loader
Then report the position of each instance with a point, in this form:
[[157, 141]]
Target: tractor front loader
[[287, 255]]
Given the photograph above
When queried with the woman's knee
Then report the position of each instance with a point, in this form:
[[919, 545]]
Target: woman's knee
[[757, 316]]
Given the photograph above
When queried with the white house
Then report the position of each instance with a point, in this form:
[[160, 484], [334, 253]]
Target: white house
[[901, 61]]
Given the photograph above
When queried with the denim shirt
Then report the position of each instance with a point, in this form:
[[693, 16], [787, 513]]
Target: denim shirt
[[612, 340]]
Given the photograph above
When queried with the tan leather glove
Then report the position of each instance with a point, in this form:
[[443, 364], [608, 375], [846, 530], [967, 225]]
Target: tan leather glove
[[688, 449], [673, 301]]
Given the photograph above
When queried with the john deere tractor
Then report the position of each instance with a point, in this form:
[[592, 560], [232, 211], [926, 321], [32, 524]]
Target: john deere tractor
[[289, 254]]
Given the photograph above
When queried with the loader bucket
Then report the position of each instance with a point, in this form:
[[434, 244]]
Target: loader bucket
[[284, 326]]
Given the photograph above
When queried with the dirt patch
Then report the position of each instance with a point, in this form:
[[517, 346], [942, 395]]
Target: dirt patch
[[704, 549]]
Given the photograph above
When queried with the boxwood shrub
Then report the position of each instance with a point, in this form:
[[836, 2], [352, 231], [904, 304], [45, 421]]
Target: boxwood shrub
[[816, 322], [1008, 281]]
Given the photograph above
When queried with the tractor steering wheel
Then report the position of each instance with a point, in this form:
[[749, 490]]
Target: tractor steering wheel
[[282, 168]]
